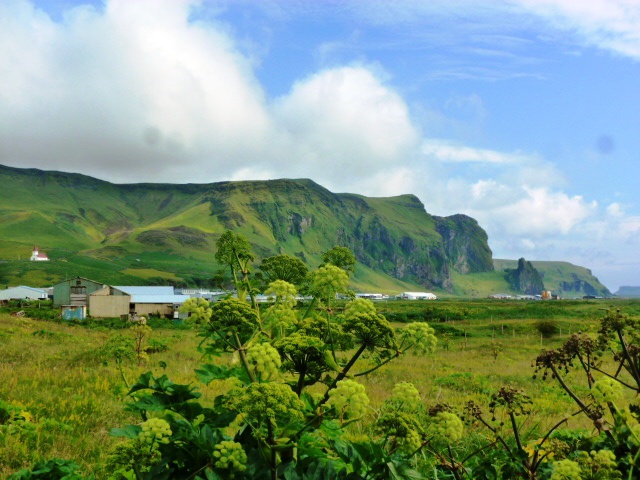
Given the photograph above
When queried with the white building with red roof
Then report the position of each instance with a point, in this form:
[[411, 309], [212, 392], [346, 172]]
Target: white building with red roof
[[38, 256]]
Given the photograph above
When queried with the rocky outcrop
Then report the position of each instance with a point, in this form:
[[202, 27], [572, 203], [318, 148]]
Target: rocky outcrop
[[525, 279], [465, 243]]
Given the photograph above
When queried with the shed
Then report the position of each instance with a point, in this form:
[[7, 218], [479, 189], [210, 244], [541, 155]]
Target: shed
[[73, 312], [74, 291], [23, 293]]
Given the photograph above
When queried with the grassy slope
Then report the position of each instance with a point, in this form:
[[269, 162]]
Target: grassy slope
[[133, 233], [100, 230]]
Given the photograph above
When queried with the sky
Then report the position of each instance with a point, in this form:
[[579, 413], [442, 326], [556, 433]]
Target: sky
[[524, 114]]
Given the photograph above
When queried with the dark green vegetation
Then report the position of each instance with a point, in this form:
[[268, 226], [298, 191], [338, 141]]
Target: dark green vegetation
[[166, 234]]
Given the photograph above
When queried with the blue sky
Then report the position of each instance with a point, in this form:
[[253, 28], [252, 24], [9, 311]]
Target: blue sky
[[521, 113]]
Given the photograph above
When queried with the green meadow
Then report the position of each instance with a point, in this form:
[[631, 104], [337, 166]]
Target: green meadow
[[69, 380]]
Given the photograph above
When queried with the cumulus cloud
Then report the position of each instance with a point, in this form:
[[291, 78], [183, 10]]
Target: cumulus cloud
[[345, 119], [541, 212], [141, 93], [130, 93]]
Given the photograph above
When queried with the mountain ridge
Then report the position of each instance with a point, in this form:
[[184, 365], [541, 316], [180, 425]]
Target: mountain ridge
[[167, 232]]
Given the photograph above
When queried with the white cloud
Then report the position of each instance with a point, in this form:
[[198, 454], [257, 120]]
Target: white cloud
[[135, 92], [345, 119], [615, 210], [608, 24], [446, 151], [515, 210], [541, 212]]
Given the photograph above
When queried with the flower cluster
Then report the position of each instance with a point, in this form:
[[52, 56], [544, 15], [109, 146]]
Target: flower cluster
[[566, 470], [419, 337], [359, 305], [266, 402], [607, 390], [230, 455], [283, 293], [264, 360], [600, 464], [326, 281], [155, 431], [406, 395], [403, 431], [349, 398], [446, 427], [547, 450], [198, 308], [281, 318]]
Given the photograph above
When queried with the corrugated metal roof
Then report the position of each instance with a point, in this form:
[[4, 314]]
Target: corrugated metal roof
[[23, 291], [159, 298], [135, 290]]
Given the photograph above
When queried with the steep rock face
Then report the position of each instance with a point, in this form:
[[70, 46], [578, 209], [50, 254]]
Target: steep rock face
[[393, 235], [465, 243], [578, 285], [525, 279]]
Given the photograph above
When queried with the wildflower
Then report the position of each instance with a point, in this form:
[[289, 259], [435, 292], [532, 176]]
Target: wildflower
[[155, 431], [607, 390], [446, 427], [566, 470], [265, 361], [230, 455], [349, 398], [406, 395]]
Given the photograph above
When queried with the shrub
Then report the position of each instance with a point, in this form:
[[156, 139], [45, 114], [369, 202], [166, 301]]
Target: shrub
[[546, 328]]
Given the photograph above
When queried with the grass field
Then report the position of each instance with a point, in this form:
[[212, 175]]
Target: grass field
[[66, 375]]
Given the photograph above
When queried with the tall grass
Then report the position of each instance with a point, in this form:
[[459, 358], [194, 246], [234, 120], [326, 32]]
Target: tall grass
[[74, 392]]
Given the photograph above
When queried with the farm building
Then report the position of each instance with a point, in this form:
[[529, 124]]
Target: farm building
[[74, 291], [129, 300], [23, 293], [416, 296]]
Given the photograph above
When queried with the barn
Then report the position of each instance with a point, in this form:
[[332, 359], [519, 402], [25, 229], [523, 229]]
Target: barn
[[74, 291], [118, 301]]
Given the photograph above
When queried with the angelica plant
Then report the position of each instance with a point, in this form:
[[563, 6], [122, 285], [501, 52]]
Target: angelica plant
[[349, 399], [264, 361], [230, 456]]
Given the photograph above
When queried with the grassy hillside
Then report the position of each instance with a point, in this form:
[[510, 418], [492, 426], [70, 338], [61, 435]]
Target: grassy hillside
[[159, 233]]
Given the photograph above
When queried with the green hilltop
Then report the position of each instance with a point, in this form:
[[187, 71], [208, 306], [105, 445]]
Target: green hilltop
[[166, 233]]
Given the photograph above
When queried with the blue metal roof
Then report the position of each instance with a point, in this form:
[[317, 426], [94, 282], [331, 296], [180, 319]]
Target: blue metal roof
[[179, 299], [135, 290]]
